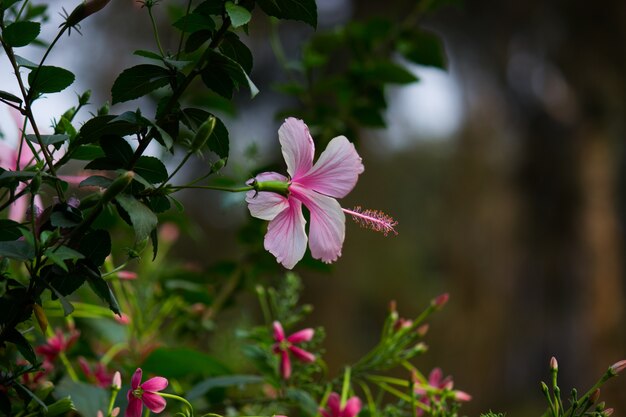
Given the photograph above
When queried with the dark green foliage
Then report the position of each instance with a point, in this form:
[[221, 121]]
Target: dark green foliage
[[47, 79], [138, 81], [302, 10], [218, 141], [21, 33]]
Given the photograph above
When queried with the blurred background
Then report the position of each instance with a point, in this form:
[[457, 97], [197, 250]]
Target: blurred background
[[506, 175]]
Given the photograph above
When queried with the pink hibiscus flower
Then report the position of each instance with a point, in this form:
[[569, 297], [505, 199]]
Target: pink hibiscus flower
[[284, 345], [279, 199], [334, 409], [146, 393]]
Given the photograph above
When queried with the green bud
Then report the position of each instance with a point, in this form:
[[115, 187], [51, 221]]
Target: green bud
[[69, 113], [117, 186], [84, 10], [60, 407], [217, 166], [202, 134], [84, 98], [104, 110]]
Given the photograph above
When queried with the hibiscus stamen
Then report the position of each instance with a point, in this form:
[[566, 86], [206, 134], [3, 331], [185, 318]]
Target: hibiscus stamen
[[374, 220]]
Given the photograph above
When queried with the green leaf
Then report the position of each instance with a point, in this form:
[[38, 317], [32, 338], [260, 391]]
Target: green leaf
[[62, 254], [23, 62], [239, 16], [302, 10], [236, 50], [423, 48], [304, 400], [222, 75], [21, 33], [194, 22], [88, 399], [15, 337], [239, 381], [141, 217], [96, 246], [152, 169], [102, 290], [5, 4], [64, 219], [182, 362], [87, 153], [148, 54], [96, 181], [218, 141], [47, 79], [49, 139], [386, 72], [10, 97], [118, 154], [9, 230], [17, 249], [99, 126], [138, 81]]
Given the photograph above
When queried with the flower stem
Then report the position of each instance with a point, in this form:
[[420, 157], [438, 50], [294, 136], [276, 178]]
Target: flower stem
[[155, 31], [345, 388], [178, 398], [213, 187]]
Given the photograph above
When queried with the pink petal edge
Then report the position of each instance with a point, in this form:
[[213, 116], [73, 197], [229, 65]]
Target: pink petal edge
[[157, 383], [136, 379], [285, 237], [300, 336], [297, 146], [154, 402]]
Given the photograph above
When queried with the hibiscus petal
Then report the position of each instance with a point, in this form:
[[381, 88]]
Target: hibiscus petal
[[302, 354], [265, 205], [334, 403], [328, 224], [336, 171], [285, 237], [297, 146], [352, 408], [134, 406], [279, 333], [154, 402], [136, 379], [300, 336], [157, 383]]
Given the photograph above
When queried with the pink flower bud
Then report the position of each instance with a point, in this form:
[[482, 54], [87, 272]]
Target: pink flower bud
[[462, 396], [441, 300], [117, 381], [169, 233], [608, 412], [595, 396], [123, 319], [554, 365], [126, 275], [618, 367], [423, 329]]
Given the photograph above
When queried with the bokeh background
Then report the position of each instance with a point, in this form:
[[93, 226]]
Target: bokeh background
[[506, 174]]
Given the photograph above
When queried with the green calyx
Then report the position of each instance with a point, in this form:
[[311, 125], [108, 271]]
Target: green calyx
[[278, 187]]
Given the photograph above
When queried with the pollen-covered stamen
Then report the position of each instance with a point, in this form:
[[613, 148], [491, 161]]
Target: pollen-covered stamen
[[374, 220]]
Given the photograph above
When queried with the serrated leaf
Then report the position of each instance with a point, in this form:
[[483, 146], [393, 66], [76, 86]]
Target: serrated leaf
[[62, 254], [194, 22], [48, 79], [99, 126], [138, 81], [152, 169], [49, 139], [117, 151], [302, 10], [10, 97], [239, 16], [19, 34], [141, 217]]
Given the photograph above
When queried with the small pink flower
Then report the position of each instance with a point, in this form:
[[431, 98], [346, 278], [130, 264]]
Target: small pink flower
[[618, 367], [98, 375], [334, 409], [316, 186], [437, 383], [126, 275], [284, 345], [57, 344], [146, 393]]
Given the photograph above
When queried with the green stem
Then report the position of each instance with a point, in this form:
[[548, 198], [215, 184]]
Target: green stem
[[213, 187], [345, 388], [114, 392], [180, 165], [176, 397], [182, 33], [155, 31]]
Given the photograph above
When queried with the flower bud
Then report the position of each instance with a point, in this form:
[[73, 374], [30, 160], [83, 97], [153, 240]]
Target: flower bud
[[83, 11], [423, 329], [554, 365], [608, 412], [117, 186], [462, 396], [594, 396], [202, 134], [40, 315], [84, 98], [126, 275], [440, 301], [217, 166], [116, 384], [617, 367], [104, 110]]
